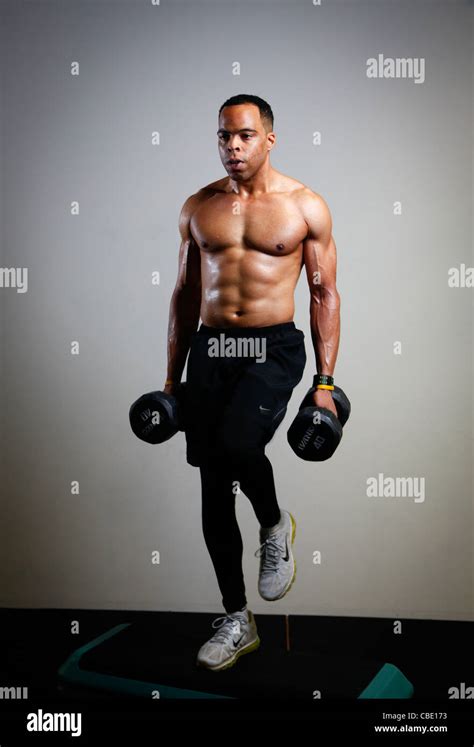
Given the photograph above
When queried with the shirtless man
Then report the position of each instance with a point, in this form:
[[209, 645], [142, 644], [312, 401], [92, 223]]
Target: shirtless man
[[244, 241]]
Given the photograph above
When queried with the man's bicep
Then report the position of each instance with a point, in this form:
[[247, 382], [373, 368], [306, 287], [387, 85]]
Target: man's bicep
[[320, 261], [189, 272], [319, 247], [189, 263]]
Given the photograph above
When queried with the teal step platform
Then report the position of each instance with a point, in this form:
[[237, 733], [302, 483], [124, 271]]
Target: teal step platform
[[158, 660]]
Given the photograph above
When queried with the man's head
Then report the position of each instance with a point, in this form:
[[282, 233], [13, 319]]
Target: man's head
[[245, 133]]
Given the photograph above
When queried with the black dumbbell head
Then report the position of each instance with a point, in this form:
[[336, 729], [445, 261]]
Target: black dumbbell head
[[314, 434], [154, 417], [343, 406]]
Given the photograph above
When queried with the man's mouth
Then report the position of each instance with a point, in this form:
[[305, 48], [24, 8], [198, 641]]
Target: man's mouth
[[234, 163]]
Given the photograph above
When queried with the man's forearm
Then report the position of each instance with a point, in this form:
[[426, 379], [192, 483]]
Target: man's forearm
[[183, 322], [325, 329]]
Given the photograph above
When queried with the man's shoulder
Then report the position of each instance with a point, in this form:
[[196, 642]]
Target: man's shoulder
[[201, 195], [313, 206], [309, 198], [211, 189], [220, 185], [306, 198]]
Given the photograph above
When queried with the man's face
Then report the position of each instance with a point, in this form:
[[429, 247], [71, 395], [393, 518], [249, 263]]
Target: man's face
[[241, 136]]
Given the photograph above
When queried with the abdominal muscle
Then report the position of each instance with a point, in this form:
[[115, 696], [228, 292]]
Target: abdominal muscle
[[247, 288]]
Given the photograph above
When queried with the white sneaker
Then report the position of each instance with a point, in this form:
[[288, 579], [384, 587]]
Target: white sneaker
[[277, 564], [237, 635]]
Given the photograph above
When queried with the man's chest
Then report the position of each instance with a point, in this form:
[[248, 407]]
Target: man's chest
[[272, 224]]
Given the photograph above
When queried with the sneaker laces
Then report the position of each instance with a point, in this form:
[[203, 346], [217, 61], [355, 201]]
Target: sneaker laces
[[270, 552], [227, 627]]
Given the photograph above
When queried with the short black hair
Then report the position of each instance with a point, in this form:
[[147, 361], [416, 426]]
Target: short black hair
[[266, 114]]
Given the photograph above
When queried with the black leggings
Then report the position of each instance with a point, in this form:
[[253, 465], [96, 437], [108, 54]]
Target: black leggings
[[220, 485]]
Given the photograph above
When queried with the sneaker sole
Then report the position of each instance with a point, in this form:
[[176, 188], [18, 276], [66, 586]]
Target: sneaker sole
[[285, 591], [230, 662]]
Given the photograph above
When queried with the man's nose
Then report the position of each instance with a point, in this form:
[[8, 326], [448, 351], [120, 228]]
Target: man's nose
[[233, 143]]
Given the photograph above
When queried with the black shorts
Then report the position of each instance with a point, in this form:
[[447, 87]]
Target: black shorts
[[239, 382]]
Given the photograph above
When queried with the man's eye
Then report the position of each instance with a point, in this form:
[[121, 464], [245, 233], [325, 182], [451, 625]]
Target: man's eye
[[225, 137]]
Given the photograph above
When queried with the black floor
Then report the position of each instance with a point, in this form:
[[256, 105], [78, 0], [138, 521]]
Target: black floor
[[434, 655]]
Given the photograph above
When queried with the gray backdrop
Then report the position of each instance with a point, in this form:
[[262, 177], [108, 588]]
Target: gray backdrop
[[167, 68]]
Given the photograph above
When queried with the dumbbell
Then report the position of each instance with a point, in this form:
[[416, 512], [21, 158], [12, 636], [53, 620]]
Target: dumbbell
[[315, 433], [157, 416]]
